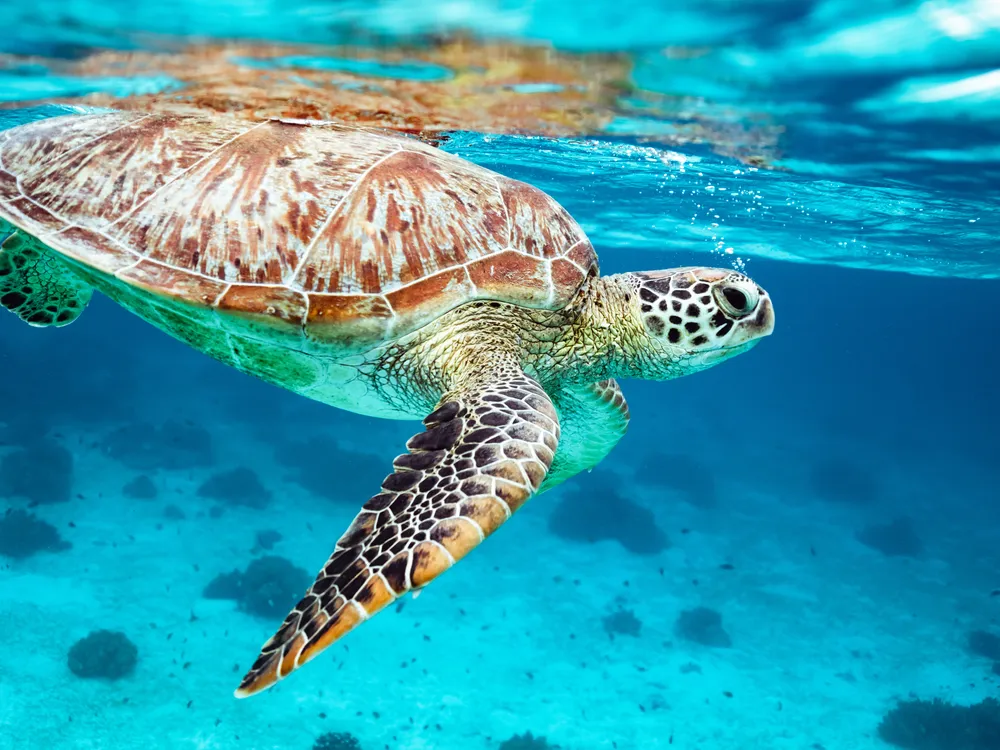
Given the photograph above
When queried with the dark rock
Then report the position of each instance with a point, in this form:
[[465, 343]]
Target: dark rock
[[527, 742], [173, 513], [41, 472], [840, 481], [704, 626], [270, 587], [267, 538], [896, 539], [134, 445], [983, 643], [140, 488], [622, 622], [104, 654], [22, 534], [175, 445], [237, 487], [595, 511], [937, 725], [225, 586], [336, 741], [693, 480]]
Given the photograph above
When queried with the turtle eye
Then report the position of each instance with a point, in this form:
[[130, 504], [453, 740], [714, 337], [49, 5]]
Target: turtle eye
[[736, 300]]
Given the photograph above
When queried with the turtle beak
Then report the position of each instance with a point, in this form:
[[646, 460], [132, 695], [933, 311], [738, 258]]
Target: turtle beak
[[750, 331], [763, 321]]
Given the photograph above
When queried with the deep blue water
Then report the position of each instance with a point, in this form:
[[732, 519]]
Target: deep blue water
[[875, 401]]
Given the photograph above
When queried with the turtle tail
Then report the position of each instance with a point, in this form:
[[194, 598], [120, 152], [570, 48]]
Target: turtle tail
[[35, 284]]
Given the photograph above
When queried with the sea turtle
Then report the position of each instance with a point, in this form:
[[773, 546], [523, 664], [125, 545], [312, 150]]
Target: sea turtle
[[374, 273]]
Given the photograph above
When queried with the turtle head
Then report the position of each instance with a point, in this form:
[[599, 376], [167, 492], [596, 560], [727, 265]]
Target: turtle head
[[694, 318]]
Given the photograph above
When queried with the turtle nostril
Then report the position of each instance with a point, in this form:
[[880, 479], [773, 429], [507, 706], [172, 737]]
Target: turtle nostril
[[736, 298]]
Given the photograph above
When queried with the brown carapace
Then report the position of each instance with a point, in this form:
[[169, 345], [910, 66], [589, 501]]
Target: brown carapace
[[317, 229]]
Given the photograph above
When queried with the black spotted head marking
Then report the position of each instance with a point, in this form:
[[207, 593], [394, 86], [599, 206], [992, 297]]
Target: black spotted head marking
[[699, 316]]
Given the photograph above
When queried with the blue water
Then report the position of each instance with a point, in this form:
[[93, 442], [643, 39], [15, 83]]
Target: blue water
[[876, 235]]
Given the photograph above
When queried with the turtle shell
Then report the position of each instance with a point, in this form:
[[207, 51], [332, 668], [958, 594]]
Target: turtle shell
[[307, 229]]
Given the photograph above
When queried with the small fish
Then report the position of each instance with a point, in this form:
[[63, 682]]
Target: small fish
[[727, 566], [995, 592]]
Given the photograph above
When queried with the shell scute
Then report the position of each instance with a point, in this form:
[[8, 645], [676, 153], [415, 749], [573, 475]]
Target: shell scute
[[8, 186], [110, 256], [348, 319], [540, 226], [566, 275], [583, 255], [280, 306], [112, 175], [424, 299], [513, 276], [173, 282], [32, 217], [410, 216], [29, 150]]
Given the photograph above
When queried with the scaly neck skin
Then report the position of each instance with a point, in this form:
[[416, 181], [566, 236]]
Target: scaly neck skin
[[598, 336], [601, 338]]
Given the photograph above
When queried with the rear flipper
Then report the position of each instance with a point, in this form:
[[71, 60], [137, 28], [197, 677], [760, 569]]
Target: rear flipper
[[36, 285]]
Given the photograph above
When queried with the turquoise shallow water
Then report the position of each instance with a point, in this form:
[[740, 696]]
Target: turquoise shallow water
[[832, 495]]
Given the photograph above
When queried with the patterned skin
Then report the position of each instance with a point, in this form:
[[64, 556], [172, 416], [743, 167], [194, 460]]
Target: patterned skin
[[372, 273]]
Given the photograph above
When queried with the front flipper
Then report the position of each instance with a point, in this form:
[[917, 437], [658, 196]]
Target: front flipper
[[485, 451], [35, 284]]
